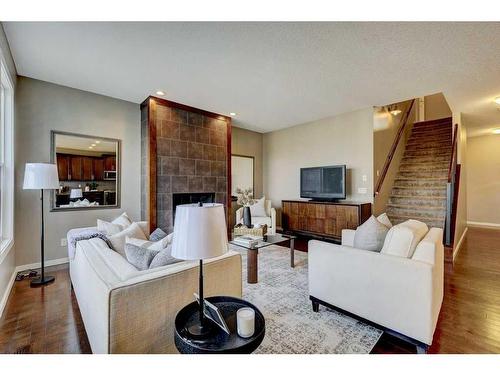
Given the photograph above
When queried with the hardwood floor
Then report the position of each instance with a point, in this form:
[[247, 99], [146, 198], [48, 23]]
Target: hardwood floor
[[47, 320]]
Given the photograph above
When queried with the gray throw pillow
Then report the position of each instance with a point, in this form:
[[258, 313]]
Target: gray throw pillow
[[139, 257], [157, 235], [164, 258], [370, 235]]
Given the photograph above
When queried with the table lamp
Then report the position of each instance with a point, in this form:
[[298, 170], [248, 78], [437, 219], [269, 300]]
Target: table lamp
[[199, 233], [41, 176]]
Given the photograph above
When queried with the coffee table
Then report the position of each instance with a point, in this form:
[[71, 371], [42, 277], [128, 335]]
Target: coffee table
[[253, 252]]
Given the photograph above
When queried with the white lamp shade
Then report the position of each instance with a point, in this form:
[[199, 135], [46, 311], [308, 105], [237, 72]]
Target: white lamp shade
[[76, 193], [40, 176], [199, 231]]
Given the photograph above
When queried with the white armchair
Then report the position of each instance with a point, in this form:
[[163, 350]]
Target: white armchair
[[269, 219]]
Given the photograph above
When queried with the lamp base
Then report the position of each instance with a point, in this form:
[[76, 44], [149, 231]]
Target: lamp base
[[198, 331], [39, 281]]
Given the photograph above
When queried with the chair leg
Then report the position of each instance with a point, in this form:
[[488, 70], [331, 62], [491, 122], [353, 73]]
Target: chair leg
[[315, 306]]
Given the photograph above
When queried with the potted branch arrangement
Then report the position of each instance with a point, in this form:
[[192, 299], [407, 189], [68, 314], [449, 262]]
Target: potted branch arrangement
[[245, 199]]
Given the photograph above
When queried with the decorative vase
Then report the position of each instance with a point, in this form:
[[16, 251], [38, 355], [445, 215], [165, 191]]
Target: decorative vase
[[247, 217]]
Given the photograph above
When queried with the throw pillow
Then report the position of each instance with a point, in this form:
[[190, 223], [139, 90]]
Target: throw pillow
[[157, 235], [118, 239], [144, 226], [370, 235], [122, 220], [402, 239], [139, 257], [164, 258], [258, 208], [154, 245], [108, 228], [384, 219]]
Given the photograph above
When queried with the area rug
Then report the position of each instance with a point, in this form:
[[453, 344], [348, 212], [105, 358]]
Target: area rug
[[291, 326]]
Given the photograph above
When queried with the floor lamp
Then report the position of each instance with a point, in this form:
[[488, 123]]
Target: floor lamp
[[41, 176]]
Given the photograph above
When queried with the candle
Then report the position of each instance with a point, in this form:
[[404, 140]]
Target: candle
[[245, 321]]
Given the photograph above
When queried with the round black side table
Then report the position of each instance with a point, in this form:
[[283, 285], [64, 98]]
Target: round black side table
[[217, 341]]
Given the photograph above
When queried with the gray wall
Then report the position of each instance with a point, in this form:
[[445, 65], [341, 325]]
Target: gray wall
[[7, 259], [343, 139], [42, 107]]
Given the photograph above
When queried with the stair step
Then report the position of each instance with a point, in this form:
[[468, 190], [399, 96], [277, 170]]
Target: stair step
[[429, 142], [431, 130], [426, 158], [411, 200], [428, 152], [435, 214], [416, 207], [419, 191], [420, 183], [430, 222], [429, 139], [416, 167], [423, 174], [424, 146]]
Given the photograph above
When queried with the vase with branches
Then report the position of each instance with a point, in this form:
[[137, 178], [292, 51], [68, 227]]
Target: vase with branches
[[245, 199]]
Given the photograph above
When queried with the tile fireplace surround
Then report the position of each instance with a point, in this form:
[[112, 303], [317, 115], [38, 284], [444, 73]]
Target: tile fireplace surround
[[184, 150]]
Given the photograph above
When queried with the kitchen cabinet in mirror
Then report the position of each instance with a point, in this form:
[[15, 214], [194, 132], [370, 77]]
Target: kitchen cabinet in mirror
[[89, 171]]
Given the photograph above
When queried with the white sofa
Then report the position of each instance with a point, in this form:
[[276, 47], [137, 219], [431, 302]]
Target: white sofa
[[402, 295], [129, 311], [269, 219]]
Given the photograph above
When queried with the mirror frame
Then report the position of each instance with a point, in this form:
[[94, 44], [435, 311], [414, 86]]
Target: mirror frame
[[53, 160]]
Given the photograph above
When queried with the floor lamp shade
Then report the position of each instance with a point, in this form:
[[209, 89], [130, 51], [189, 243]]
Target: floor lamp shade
[[199, 231], [40, 176]]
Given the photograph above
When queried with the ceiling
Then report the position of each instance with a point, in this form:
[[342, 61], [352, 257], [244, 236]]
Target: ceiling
[[273, 75], [87, 144]]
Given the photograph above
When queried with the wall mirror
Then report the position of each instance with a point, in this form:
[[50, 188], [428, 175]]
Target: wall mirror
[[89, 171], [242, 173]]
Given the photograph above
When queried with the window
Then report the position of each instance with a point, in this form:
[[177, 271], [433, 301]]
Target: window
[[6, 159]]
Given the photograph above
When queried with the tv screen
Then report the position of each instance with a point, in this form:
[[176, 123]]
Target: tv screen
[[325, 183]]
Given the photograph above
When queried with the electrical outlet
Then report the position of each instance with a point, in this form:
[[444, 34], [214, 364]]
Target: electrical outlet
[[64, 242], [362, 190]]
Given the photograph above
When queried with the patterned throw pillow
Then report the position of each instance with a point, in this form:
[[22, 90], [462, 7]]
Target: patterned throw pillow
[[164, 258], [139, 257], [157, 235]]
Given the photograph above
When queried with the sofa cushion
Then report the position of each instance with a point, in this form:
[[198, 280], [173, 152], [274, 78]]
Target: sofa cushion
[[118, 239], [261, 220], [122, 220], [402, 239], [370, 235], [384, 219], [108, 228], [157, 235], [164, 258], [139, 257], [153, 245], [258, 208]]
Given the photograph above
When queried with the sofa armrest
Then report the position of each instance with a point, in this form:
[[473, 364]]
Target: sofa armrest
[[273, 221], [142, 310], [348, 237]]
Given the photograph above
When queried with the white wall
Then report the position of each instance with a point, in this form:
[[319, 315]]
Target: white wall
[[7, 259], [343, 139], [42, 107]]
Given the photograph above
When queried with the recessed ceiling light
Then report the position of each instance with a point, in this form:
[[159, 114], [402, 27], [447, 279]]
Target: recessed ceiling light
[[496, 131], [159, 92], [232, 114], [97, 141], [497, 100], [93, 145], [90, 147]]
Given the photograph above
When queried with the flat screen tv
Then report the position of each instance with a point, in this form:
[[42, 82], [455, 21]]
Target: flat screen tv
[[323, 183]]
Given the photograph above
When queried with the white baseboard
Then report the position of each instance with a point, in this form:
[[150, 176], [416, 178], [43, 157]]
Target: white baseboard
[[48, 263], [481, 224], [6, 294], [459, 244]]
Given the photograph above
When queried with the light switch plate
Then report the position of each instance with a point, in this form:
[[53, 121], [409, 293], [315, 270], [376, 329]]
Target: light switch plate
[[64, 242], [362, 190], [365, 178]]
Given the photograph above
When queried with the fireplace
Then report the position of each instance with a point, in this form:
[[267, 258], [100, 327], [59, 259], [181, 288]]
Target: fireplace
[[186, 198]]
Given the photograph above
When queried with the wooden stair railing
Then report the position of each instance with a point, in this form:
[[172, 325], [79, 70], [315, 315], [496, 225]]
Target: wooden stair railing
[[402, 126], [452, 191]]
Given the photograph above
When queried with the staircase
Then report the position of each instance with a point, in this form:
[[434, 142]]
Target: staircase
[[419, 190]]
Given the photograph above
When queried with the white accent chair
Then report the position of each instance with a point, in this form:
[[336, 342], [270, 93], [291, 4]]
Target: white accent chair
[[401, 295], [269, 219]]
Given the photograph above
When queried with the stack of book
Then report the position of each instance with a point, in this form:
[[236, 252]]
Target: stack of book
[[247, 240]]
